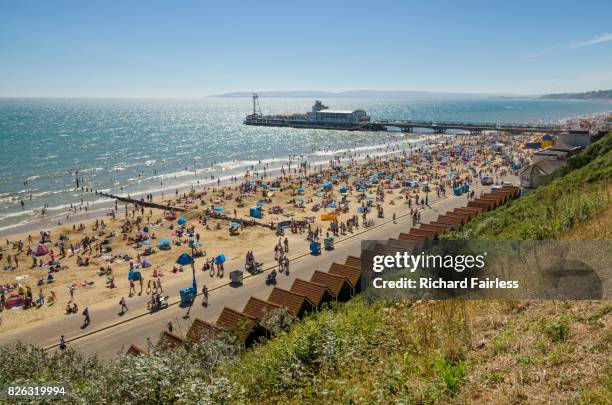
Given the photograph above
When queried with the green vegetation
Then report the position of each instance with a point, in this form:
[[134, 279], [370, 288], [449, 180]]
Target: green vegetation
[[581, 194], [374, 352]]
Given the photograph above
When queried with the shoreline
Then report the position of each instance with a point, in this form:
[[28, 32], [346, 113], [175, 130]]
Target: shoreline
[[102, 208]]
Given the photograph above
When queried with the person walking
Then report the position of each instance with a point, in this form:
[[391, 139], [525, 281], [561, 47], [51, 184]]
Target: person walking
[[205, 296], [123, 304], [170, 326], [159, 284], [286, 242], [62, 343], [87, 319], [394, 218], [149, 345]]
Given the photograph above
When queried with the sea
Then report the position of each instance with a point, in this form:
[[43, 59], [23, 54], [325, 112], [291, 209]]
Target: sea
[[135, 146]]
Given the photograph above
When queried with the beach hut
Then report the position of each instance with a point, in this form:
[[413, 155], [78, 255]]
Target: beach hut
[[256, 308], [246, 328], [200, 330], [338, 285], [169, 340], [298, 305], [352, 274], [317, 293], [136, 351]]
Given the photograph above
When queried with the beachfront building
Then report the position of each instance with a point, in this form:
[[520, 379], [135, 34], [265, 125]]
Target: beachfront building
[[321, 113], [540, 173]]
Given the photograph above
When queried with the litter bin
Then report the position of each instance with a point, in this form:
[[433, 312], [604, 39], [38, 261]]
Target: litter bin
[[236, 277]]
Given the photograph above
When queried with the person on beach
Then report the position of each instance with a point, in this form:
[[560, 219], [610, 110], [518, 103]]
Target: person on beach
[[62, 343]]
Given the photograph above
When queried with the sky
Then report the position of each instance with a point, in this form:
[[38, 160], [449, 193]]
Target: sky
[[197, 48]]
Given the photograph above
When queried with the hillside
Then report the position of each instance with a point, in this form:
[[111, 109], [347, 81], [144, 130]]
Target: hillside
[[410, 352], [589, 95]]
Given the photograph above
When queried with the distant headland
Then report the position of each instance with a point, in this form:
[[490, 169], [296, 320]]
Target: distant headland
[[588, 95]]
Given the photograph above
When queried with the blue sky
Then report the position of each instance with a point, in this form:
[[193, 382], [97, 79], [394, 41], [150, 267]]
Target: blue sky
[[196, 48]]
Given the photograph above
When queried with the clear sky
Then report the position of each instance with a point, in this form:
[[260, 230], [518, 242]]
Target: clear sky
[[196, 48]]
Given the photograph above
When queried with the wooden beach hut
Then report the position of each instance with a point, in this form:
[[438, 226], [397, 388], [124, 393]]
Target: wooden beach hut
[[337, 285], [201, 330], [298, 305], [317, 293], [246, 328]]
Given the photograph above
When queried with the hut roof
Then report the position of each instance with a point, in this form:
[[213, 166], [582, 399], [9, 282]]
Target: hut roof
[[256, 308], [200, 329], [294, 302], [334, 282], [136, 351], [169, 339], [232, 320], [352, 274], [353, 261], [314, 291]]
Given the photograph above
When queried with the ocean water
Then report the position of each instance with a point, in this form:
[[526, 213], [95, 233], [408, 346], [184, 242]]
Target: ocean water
[[136, 145]]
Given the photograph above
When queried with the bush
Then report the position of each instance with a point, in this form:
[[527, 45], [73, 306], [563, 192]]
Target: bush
[[451, 372]]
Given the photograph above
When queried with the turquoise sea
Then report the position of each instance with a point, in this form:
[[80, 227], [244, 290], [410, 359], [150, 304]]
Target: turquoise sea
[[135, 145]]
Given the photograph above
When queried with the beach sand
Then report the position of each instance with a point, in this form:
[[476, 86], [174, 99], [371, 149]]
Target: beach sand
[[422, 165]]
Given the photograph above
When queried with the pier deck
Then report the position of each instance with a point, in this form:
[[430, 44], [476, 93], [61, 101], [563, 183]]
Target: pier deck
[[439, 127]]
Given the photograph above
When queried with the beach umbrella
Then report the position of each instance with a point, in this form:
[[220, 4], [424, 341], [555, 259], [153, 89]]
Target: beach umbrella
[[220, 258], [184, 259], [234, 225], [219, 209], [145, 229], [182, 221]]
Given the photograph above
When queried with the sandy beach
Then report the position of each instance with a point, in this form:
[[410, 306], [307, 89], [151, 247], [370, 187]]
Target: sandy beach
[[313, 201]]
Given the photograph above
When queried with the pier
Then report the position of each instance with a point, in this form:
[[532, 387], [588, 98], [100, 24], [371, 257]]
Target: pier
[[441, 127], [438, 127], [322, 117]]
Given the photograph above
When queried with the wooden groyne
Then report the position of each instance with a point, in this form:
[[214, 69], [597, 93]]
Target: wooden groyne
[[143, 203], [214, 215]]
